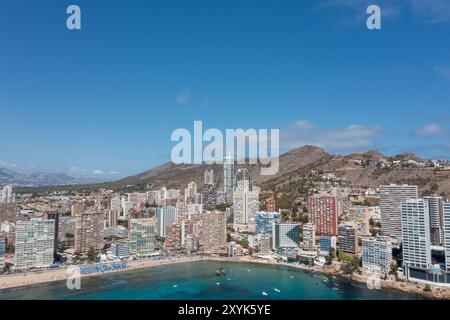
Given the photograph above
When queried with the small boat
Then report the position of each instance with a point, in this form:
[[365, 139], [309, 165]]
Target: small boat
[[336, 289], [277, 290], [291, 277], [175, 286], [220, 272], [264, 293], [218, 283]]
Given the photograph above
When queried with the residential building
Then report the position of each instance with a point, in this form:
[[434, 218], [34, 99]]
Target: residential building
[[286, 235], [34, 244], [142, 237], [376, 253], [416, 242], [89, 231], [245, 204], [164, 217], [228, 179], [120, 249], [323, 213], [391, 197], [348, 238], [309, 237], [446, 206], [435, 206], [264, 221], [213, 234], [327, 243]]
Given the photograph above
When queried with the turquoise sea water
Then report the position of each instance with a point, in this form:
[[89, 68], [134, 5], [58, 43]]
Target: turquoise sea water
[[198, 281]]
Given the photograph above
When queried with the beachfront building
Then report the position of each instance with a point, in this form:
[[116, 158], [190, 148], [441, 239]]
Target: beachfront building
[[309, 237], [2, 251], [89, 231], [416, 233], [120, 249], [446, 206], [213, 233], [34, 244], [323, 213], [265, 243], [391, 197], [142, 237], [265, 220], [174, 235], [286, 235], [435, 207], [360, 216], [327, 243], [376, 253], [164, 217], [348, 239]]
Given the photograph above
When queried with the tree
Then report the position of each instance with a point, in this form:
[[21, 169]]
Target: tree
[[92, 256]]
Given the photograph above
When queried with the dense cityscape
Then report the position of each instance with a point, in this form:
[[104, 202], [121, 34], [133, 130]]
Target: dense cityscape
[[386, 237]]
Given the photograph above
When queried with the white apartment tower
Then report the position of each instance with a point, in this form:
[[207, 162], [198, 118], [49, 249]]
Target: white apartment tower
[[447, 234], [391, 197], [416, 242], [245, 204], [228, 178], [34, 244], [435, 205]]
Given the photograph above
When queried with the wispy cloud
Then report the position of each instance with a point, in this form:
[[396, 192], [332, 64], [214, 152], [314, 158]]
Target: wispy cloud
[[433, 11], [443, 71], [431, 130], [184, 97], [355, 137]]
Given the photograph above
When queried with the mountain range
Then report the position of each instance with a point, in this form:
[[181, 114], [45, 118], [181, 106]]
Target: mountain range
[[295, 165]]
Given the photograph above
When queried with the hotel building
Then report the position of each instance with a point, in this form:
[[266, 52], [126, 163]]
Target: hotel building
[[323, 213], [142, 236], [286, 235], [376, 253]]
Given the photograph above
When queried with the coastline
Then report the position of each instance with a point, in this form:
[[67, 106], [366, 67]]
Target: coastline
[[24, 280]]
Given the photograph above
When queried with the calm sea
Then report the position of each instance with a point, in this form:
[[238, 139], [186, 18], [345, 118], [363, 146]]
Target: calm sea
[[192, 281]]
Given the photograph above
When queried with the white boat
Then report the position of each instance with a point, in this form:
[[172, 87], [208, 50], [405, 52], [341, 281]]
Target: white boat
[[277, 290], [264, 293], [218, 283]]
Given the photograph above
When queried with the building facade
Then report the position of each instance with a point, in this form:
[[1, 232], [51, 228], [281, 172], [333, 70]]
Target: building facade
[[323, 213], [376, 253], [286, 235]]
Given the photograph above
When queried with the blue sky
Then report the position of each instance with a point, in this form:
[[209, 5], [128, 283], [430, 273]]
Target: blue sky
[[103, 101]]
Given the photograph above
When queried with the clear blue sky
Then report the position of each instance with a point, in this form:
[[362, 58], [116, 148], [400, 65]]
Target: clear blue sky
[[107, 97]]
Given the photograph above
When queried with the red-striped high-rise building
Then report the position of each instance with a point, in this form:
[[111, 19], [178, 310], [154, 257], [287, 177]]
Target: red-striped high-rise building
[[323, 213]]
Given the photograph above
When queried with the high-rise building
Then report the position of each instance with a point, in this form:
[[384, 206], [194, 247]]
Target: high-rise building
[[323, 213], [209, 177], [34, 244], [228, 179], [7, 195], [89, 231], [2, 251], [264, 221], [242, 174], [435, 205], [209, 197], [415, 227], [286, 235], [164, 217], [348, 238], [142, 236], [55, 216], [361, 217], [77, 208], [174, 235], [213, 234], [446, 206], [190, 192], [265, 243], [376, 253], [309, 237], [245, 204], [391, 197]]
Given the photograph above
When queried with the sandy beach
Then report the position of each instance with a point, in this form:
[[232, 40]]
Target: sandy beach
[[61, 274]]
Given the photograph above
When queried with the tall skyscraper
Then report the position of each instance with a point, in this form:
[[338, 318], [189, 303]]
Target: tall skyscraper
[[391, 197], [213, 234], [415, 224], [286, 235], [89, 229], [245, 204], [7, 195], [209, 177], [376, 253], [435, 205], [142, 236], [241, 175], [447, 234], [164, 217], [55, 216], [190, 192], [228, 179], [34, 244], [323, 213]]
